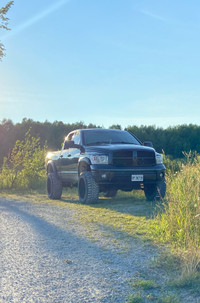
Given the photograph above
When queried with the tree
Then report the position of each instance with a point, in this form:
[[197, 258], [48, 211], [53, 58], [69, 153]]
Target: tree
[[115, 126], [4, 24]]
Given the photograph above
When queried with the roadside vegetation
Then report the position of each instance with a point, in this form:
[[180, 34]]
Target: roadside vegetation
[[24, 166], [174, 223]]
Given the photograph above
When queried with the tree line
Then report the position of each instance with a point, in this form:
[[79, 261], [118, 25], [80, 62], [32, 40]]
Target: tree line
[[172, 140]]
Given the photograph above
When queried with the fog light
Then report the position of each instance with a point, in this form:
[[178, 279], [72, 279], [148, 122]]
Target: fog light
[[104, 176], [161, 175]]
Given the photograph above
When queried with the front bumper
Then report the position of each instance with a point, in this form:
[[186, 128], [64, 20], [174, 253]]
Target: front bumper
[[122, 177]]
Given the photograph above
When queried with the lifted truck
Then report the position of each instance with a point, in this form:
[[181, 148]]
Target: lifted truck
[[105, 160]]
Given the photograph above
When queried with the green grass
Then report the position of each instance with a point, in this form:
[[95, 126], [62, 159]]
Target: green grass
[[149, 298], [185, 281], [135, 298], [145, 284], [180, 222], [173, 298], [167, 261]]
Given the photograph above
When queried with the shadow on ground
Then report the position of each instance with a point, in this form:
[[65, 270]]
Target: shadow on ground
[[124, 203]]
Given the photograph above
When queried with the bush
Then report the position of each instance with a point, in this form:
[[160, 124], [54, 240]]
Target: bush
[[24, 167]]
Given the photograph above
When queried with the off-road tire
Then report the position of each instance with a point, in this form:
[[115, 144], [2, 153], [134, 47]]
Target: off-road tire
[[54, 186], [155, 191], [88, 189]]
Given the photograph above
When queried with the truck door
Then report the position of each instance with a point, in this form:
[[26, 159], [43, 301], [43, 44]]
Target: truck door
[[69, 161]]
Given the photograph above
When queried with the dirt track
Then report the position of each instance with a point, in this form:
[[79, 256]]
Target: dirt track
[[45, 256]]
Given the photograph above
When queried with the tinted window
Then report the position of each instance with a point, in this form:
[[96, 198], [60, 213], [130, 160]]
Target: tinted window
[[76, 138], [109, 137]]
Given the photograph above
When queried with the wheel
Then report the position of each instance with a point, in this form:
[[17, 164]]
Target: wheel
[[88, 189], [110, 193], [155, 191], [54, 186]]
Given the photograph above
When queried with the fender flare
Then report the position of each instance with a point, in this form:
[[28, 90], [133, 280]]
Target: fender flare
[[51, 168], [83, 161]]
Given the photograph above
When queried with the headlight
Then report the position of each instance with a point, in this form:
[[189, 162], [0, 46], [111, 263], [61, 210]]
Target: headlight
[[159, 159], [99, 159]]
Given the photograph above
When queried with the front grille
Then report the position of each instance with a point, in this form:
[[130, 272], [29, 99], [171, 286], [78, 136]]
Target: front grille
[[136, 158]]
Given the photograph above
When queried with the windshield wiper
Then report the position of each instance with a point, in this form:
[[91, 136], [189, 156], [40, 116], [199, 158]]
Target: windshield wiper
[[122, 142]]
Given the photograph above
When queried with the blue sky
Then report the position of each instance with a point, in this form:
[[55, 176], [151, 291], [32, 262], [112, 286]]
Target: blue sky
[[133, 62]]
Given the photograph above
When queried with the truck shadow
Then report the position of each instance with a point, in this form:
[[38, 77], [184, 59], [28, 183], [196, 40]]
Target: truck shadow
[[137, 207], [132, 205]]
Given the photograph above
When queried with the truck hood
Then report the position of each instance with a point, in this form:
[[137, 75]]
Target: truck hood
[[116, 147]]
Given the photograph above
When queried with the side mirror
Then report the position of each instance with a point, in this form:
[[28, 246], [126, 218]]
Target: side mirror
[[148, 143], [68, 144], [71, 144]]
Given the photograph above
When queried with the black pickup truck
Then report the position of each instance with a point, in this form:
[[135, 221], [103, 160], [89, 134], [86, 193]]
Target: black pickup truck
[[105, 160]]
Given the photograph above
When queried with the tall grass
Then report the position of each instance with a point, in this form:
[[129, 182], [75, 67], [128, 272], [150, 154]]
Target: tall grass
[[179, 224]]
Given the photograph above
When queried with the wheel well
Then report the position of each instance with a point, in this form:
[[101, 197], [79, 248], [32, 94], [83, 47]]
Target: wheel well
[[50, 169], [83, 166]]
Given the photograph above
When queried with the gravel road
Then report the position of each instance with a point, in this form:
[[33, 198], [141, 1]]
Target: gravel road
[[45, 256]]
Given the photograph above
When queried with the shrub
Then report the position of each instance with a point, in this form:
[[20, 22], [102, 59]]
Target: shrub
[[24, 167]]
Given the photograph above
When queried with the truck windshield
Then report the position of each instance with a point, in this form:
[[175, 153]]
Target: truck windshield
[[92, 137]]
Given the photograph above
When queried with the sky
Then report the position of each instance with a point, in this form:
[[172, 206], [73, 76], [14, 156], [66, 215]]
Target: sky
[[132, 62]]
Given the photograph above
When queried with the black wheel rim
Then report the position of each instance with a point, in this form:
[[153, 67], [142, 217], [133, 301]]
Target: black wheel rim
[[49, 186], [82, 189]]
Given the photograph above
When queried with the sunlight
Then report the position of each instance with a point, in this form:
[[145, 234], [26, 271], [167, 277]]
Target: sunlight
[[36, 18]]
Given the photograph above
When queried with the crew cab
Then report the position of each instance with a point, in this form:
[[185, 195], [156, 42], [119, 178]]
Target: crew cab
[[105, 160]]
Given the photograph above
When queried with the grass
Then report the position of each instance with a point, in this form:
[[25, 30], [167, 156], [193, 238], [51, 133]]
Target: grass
[[145, 284], [163, 298], [172, 298], [180, 222], [135, 298], [187, 281]]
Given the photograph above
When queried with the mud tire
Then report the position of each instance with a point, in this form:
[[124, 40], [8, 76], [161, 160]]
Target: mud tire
[[54, 186], [155, 191], [88, 189]]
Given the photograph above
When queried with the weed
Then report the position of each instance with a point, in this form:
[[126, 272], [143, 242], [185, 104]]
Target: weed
[[168, 262], [179, 223], [168, 299], [186, 281], [135, 298], [145, 284]]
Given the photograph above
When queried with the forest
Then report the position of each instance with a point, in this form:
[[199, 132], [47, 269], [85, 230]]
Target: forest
[[173, 141]]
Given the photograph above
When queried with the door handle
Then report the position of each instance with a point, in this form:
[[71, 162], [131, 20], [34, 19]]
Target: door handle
[[61, 156], [69, 155]]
